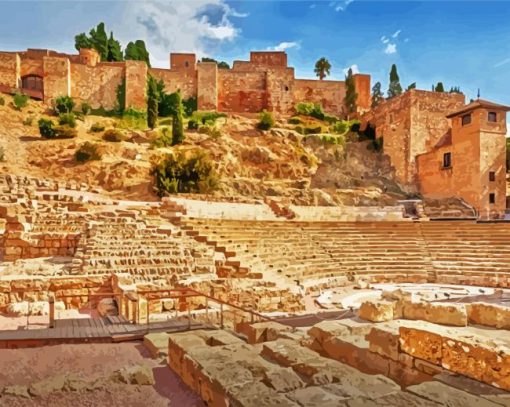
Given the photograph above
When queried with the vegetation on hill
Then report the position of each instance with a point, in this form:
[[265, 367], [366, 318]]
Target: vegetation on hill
[[191, 171], [377, 94], [221, 64]]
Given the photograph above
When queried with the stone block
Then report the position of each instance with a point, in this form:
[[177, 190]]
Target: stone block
[[493, 315], [377, 311], [421, 344]]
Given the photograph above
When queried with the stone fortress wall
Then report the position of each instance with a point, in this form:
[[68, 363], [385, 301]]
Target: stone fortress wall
[[263, 82]]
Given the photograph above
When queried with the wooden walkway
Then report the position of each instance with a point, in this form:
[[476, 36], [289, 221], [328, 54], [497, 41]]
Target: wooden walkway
[[91, 330]]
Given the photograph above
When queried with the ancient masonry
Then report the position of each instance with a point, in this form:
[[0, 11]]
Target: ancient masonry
[[263, 82], [442, 148]]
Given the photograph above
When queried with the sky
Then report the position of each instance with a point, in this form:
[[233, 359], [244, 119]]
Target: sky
[[461, 43]]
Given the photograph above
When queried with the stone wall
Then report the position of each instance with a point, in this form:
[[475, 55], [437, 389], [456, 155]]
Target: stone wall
[[9, 71], [330, 94], [136, 85], [241, 91], [31, 66], [176, 80], [207, 86], [411, 124], [57, 78], [96, 85]]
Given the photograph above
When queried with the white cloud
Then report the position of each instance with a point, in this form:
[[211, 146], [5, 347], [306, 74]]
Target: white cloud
[[283, 46], [354, 67], [385, 40], [340, 5], [390, 48], [178, 26], [503, 62], [396, 33], [313, 5]]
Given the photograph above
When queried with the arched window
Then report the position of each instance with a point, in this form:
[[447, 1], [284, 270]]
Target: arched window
[[32, 82]]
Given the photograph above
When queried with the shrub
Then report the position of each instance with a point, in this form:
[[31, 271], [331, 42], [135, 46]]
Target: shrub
[[308, 129], [153, 97], [64, 104], [266, 120], [340, 127], [190, 171], [46, 128], [20, 100], [295, 120], [65, 131], [310, 109], [85, 108], [164, 138], [331, 139], [113, 135], [2, 101], [190, 105], [68, 119], [133, 119], [87, 152], [211, 130], [28, 121], [192, 125], [204, 117], [96, 128]]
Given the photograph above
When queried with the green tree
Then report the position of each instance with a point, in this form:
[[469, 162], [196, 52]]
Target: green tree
[[322, 68], [411, 86], [114, 49], [221, 64], [177, 122], [395, 88], [99, 41], [350, 93], [152, 102], [455, 89], [377, 94], [137, 51], [439, 87], [82, 41]]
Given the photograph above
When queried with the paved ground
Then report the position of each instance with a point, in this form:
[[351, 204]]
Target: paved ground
[[92, 361]]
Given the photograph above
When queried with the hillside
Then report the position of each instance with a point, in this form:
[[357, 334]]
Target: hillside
[[251, 164]]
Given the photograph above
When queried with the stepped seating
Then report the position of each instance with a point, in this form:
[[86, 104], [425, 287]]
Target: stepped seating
[[382, 251], [122, 244], [469, 252]]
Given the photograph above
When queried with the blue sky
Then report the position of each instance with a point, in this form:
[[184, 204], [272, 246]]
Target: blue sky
[[462, 43]]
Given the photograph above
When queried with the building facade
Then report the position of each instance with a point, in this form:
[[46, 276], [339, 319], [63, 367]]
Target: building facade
[[442, 148], [264, 82]]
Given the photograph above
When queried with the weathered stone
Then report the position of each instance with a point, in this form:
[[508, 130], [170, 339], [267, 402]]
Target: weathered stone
[[139, 374], [283, 380], [379, 311], [16, 391], [400, 399], [493, 315], [421, 344], [438, 313], [48, 386], [315, 397]]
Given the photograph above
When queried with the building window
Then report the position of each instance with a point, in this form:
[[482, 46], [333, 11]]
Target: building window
[[492, 117], [492, 176], [447, 160], [186, 64], [286, 88], [492, 198], [466, 119], [32, 82]]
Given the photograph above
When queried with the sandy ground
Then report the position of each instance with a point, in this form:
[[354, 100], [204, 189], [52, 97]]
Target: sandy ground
[[26, 366]]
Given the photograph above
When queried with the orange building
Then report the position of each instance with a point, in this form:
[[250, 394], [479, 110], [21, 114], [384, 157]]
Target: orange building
[[264, 82], [469, 161], [442, 148]]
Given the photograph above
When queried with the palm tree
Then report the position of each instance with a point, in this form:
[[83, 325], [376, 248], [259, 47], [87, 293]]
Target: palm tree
[[322, 67]]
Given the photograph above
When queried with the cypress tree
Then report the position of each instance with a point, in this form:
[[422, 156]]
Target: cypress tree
[[114, 49], [177, 121], [377, 95], [395, 88], [439, 87], [350, 93], [152, 102]]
